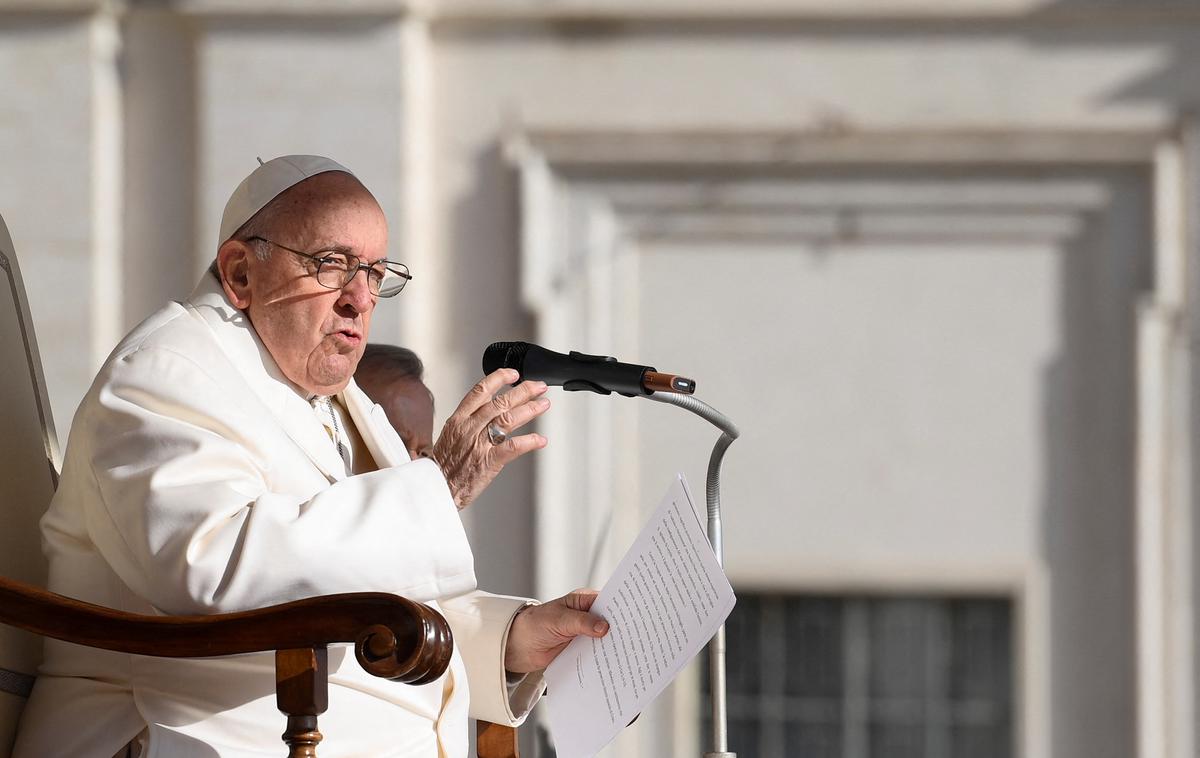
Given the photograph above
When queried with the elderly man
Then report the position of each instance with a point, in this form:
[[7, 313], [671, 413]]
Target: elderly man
[[224, 460], [394, 377]]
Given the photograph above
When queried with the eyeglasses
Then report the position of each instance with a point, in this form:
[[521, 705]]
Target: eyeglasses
[[335, 269]]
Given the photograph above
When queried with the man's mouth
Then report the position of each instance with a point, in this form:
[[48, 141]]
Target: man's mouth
[[352, 336]]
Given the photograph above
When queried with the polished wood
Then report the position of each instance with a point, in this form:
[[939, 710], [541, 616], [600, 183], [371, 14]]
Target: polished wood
[[302, 693], [302, 737], [497, 741], [394, 638]]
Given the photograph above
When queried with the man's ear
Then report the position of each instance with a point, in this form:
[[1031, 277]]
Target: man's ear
[[233, 262]]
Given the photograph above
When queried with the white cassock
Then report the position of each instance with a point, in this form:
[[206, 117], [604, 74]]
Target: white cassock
[[198, 479]]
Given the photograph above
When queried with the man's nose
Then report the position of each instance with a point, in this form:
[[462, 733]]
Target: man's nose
[[357, 293]]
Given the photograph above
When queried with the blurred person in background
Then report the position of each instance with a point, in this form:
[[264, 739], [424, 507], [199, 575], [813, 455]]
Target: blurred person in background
[[394, 377]]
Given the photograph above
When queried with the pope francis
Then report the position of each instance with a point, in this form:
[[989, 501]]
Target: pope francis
[[224, 460]]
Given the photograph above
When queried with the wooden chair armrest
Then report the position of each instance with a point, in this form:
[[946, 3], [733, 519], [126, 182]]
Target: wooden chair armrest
[[393, 637]]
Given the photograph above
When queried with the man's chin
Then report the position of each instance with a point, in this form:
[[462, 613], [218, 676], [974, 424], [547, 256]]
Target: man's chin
[[334, 374]]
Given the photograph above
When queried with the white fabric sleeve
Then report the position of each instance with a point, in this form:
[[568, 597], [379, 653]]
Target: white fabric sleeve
[[202, 504], [480, 622]]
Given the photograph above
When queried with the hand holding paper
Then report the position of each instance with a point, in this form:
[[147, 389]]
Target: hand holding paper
[[666, 599], [540, 632]]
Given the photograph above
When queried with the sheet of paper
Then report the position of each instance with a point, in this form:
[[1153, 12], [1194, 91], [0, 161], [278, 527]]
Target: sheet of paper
[[665, 601]]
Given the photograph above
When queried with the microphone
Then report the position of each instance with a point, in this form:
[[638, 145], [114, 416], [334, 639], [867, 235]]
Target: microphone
[[578, 371]]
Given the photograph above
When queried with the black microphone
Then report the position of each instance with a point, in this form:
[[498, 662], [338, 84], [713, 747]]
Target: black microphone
[[577, 371]]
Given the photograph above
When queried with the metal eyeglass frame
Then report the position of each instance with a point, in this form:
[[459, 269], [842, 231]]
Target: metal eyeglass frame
[[354, 265]]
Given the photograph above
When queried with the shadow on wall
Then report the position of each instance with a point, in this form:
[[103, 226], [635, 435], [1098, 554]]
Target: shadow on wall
[[1090, 417], [1172, 27], [482, 305], [161, 118], [1088, 496]]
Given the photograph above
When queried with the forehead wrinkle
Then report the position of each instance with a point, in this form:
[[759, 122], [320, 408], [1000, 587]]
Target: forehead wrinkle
[[305, 220], [308, 204]]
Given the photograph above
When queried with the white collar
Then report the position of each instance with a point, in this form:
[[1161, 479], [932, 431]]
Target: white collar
[[287, 402]]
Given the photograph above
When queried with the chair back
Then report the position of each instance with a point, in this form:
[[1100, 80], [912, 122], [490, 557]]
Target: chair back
[[29, 464]]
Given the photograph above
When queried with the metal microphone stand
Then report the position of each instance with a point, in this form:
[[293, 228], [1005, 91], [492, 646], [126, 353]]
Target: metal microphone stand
[[716, 648]]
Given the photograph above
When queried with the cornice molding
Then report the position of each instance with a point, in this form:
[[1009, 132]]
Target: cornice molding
[[484, 16], [237, 8], [58, 7], [473, 12], [783, 149], [292, 8]]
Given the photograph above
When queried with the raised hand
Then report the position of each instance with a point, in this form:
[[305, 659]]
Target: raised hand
[[468, 455]]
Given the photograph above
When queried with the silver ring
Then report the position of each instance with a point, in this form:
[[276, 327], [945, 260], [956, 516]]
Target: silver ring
[[496, 435]]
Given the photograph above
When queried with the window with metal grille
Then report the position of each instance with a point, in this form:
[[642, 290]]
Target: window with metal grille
[[868, 677]]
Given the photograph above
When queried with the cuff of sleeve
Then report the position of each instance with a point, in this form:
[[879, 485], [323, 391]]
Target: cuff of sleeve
[[480, 622], [524, 691]]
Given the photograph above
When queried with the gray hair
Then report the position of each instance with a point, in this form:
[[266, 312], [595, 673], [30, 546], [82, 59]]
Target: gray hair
[[261, 224]]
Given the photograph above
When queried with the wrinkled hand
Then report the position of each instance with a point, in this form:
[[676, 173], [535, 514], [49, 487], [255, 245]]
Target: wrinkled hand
[[540, 632], [468, 459]]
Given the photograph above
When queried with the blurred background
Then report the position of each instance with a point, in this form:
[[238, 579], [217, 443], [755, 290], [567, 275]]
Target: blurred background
[[936, 258]]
